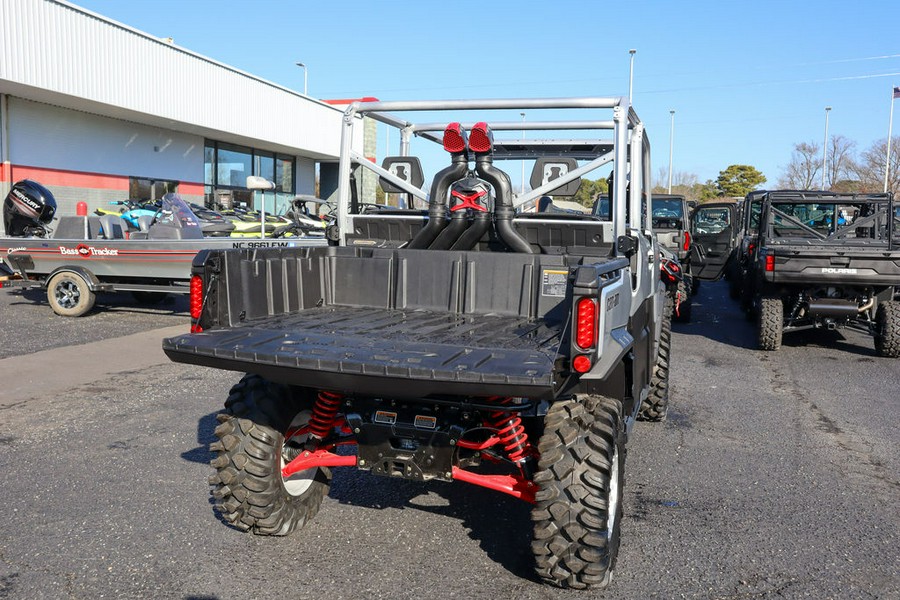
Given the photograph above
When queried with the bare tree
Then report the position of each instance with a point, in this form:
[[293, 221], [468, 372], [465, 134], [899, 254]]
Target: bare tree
[[683, 183], [870, 168], [841, 164], [802, 172]]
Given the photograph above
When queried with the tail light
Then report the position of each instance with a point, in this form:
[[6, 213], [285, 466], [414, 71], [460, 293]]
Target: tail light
[[196, 302], [586, 323], [687, 241], [581, 364], [455, 138], [770, 262], [481, 139]]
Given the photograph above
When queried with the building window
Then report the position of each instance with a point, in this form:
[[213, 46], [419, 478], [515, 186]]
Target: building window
[[147, 190], [226, 169]]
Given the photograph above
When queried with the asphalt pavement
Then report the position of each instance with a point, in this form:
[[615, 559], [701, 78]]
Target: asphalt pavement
[[776, 475]]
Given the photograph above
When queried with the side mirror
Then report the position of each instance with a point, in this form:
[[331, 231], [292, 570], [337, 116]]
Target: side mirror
[[255, 182]]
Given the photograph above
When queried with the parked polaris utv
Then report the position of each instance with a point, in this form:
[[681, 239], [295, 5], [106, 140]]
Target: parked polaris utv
[[428, 344], [826, 260], [671, 224]]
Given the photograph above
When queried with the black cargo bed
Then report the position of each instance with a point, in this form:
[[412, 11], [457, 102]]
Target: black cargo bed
[[376, 351]]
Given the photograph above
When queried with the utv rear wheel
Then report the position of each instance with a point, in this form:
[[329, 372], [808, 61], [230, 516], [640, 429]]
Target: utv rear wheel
[[771, 323], [252, 495], [887, 329], [683, 311], [655, 406], [578, 509], [69, 295]]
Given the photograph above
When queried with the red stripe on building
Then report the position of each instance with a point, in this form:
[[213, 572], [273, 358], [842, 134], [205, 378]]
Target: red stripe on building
[[80, 179]]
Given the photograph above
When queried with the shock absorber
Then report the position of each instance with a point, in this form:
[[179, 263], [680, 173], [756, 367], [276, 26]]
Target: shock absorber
[[512, 434], [324, 413]]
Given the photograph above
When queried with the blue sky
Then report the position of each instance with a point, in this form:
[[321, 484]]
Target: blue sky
[[747, 80]]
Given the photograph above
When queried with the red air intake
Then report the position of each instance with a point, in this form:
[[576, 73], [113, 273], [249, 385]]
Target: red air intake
[[455, 138], [482, 138]]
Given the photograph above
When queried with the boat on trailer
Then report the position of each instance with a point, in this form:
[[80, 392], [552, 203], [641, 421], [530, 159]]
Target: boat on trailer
[[83, 255]]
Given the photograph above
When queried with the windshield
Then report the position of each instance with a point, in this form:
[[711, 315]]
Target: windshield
[[667, 208], [176, 212], [711, 219]]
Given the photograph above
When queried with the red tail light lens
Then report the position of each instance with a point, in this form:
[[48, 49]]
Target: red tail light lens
[[586, 323], [581, 364], [687, 241], [196, 296], [455, 138], [482, 138], [770, 263]]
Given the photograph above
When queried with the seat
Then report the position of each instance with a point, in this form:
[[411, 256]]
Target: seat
[[113, 227]]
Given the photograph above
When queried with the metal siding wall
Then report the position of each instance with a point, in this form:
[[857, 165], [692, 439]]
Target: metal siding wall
[[86, 56], [46, 136]]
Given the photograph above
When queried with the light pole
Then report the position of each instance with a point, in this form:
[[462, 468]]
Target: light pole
[[825, 146], [631, 74], [523, 160], [305, 73], [671, 147]]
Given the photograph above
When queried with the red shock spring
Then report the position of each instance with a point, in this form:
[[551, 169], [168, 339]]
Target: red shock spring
[[511, 432], [324, 413]]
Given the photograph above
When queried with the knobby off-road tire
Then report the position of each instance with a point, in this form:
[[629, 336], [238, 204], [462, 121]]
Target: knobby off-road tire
[[655, 406], [683, 314], [69, 295], [578, 510], [734, 288], [770, 323], [887, 329], [250, 491]]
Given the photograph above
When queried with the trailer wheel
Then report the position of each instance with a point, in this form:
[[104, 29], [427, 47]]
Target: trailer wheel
[[770, 323], [578, 510], [887, 329], [654, 407], [69, 295], [252, 495]]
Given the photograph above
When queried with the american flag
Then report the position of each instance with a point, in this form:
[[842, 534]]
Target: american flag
[[896, 92]]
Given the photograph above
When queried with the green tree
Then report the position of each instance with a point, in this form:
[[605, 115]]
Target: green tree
[[589, 190], [706, 191], [738, 180]]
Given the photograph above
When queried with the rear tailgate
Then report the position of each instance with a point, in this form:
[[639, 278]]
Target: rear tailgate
[[384, 351]]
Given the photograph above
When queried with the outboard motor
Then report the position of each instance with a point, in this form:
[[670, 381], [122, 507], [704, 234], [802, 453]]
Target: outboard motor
[[28, 209]]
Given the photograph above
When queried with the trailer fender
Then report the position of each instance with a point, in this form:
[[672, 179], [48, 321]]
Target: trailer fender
[[89, 278]]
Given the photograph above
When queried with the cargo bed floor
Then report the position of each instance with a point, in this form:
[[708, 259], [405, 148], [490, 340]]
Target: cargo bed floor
[[382, 351]]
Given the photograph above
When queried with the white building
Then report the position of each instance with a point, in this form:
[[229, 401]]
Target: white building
[[97, 111]]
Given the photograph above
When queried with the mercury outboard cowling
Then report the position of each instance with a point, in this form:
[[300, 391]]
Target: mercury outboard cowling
[[28, 209]]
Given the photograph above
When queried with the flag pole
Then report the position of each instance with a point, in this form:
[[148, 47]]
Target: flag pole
[[887, 164]]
